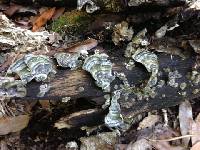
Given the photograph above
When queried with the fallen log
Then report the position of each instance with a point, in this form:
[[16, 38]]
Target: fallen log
[[79, 84]]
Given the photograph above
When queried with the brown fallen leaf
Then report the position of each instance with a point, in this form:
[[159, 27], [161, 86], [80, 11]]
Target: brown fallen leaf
[[121, 146], [28, 9], [196, 146], [13, 124], [58, 12], [195, 5], [141, 144], [195, 130], [166, 146], [3, 7], [43, 18], [81, 47], [45, 104], [12, 9], [78, 119], [185, 119], [148, 121], [197, 119], [25, 24], [105, 140]]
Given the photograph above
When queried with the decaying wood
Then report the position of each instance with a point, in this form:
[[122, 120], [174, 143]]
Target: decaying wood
[[72, 3], [81, 118], [70, 83]]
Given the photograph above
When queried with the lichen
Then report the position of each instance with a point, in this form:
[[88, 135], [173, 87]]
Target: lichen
[[111, 5], [73, 22], [66, 99], [89, 4], [21, 40], [130, 65], [81, 89], [161, 83], [172, 76], [107, 102], [195, 91], [44, 88], [9, 87], [195, 77], [183, 86], [122, 32], [136, 2]]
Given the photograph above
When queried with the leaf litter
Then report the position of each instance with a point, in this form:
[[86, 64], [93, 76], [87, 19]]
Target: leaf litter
[[151, 133]]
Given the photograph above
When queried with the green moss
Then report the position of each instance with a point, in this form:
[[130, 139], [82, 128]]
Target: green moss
[[73, 22]]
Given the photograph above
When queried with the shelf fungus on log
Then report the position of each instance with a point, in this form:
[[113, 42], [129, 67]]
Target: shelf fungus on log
[[68, 60], [106, 5], [150, 61], [138, 50], [101, 70], [114, 118], [90, 5], [31, 66], [9, 87]]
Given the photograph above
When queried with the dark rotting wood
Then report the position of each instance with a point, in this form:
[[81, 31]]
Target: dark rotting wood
[[70, 83]]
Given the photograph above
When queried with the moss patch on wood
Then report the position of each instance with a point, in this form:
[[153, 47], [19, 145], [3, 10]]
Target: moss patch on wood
[[73, 22]]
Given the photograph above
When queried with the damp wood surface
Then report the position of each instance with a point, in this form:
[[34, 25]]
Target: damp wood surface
[[80, 84], [72, 3]]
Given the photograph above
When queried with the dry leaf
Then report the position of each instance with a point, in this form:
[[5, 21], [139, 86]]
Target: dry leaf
[[43, 18], [121, 146], [148, 121], [13, 124], [196, 146], [12, 9], [195, 5], [197, 119], [3, 7], [83, 47], [58, 13], [27, 9], [195, 130], [166, 146], [45, 104], [185, 119], [141, 144], [105, 140]]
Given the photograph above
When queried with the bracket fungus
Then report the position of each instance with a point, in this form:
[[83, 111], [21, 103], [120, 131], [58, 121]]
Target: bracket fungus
[[101, 70], [70, 60], [31, 66]]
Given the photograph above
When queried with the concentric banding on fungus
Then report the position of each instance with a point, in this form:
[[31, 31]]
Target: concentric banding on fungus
[[101, 70]]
